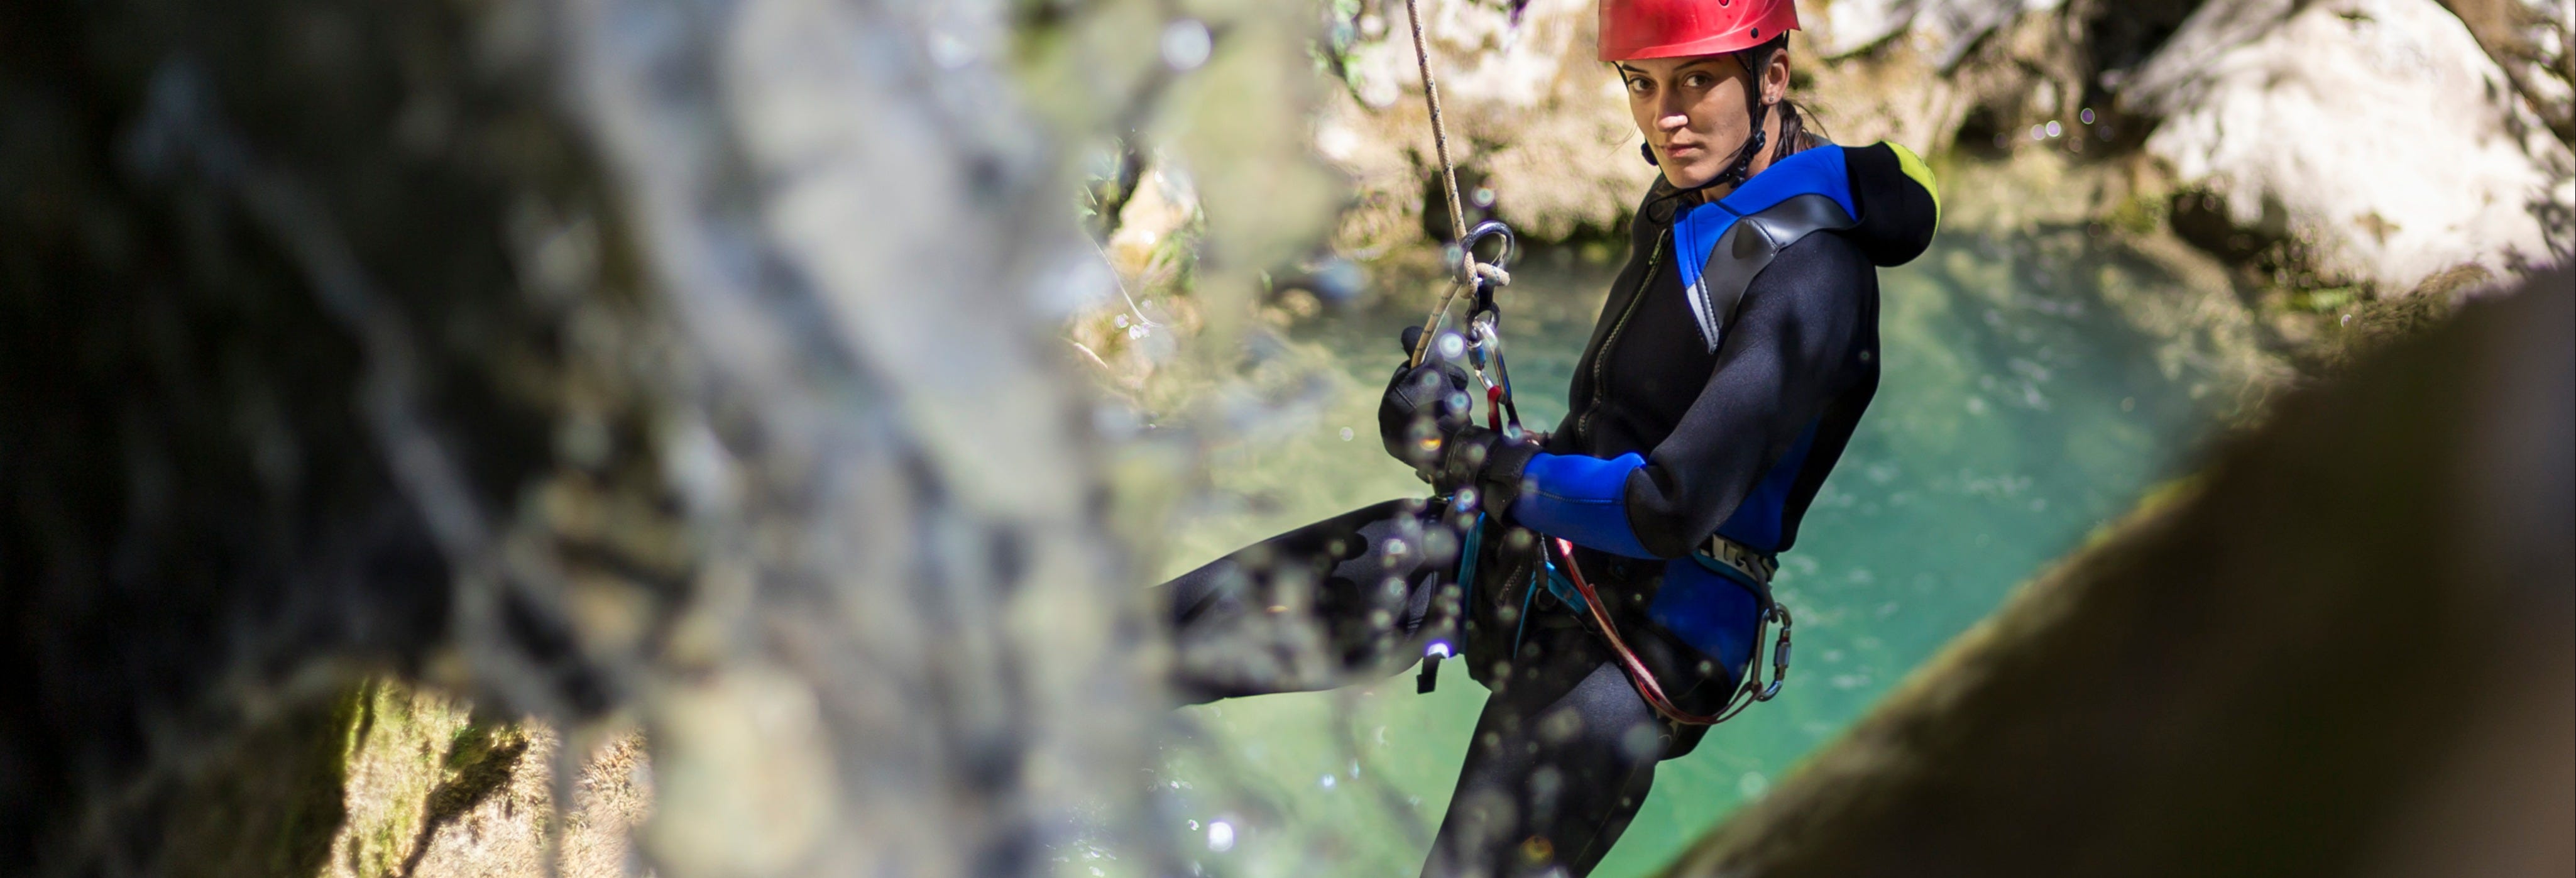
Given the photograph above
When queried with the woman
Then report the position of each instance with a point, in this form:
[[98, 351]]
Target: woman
[[1731, 361]]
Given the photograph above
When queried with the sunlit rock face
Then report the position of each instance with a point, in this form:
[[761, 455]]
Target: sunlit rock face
[[1945, 28], [2362, 143], [1540, 127], [2375, 133]]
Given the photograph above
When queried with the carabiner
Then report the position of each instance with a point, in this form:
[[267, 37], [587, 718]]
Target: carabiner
[[1779, 655]]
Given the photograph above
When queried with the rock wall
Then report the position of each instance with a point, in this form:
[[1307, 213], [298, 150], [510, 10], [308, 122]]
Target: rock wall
[[609, 361], [2363, 144], [1540, 127], [2376, 134]]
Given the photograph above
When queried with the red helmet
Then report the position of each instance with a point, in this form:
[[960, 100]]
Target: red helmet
[[1632, 29]]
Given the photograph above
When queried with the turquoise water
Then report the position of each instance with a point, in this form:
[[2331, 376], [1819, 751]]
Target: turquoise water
[[2016, 413]]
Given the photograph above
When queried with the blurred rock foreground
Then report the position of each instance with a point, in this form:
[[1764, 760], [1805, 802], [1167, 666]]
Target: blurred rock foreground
[[683, 390], [617, 364]]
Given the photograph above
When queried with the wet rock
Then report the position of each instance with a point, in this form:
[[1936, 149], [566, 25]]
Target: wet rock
[[2375, 135]]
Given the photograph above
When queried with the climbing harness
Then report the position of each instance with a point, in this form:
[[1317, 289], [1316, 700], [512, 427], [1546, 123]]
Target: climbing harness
[[1753, 689]]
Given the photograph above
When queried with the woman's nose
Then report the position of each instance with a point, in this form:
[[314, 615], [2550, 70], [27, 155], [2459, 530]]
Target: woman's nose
[[1673, 121]]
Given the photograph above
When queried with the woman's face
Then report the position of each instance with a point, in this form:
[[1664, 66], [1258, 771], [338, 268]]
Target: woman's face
[[1693, 114]]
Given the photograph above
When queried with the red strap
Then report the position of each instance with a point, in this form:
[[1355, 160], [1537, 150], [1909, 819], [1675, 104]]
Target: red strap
[[1638, 675], [1494, 408]]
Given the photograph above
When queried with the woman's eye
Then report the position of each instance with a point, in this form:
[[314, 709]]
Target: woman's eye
[[1696, 80], [1640, 86]]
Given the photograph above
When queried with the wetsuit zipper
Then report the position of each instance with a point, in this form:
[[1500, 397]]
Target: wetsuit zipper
[[1601, 358]]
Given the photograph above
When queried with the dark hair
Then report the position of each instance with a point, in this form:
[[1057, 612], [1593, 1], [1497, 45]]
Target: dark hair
[[1794, 136]]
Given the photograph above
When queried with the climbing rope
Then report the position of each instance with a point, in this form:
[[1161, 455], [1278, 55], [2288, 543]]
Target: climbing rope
[[1470, 272]]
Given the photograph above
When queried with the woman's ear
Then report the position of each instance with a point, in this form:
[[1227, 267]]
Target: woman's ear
[[1775, 77]]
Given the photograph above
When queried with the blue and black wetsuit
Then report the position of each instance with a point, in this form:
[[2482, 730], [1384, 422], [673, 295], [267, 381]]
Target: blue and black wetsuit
[[1732, 360]]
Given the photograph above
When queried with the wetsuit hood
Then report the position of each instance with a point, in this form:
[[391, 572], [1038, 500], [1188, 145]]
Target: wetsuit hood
[[1898, 202]]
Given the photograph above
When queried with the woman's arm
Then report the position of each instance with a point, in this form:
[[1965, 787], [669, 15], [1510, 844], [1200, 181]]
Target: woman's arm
[[1795, 343]]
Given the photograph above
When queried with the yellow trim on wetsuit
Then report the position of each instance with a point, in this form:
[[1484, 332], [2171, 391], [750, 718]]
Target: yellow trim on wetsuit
[[1914, 167]]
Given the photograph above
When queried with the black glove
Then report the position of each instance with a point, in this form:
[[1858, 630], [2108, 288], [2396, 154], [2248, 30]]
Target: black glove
[[1478, 458], [1424, 405]]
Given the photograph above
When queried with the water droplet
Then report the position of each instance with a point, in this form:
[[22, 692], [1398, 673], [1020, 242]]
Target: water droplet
[[1452, 346], [2039, 132], [1220, 836], [949, 52], [1347, 434], [1327, 781], [2053, 130], [1752, 784], [1641, 741], [2086, 116], [1186, 44]]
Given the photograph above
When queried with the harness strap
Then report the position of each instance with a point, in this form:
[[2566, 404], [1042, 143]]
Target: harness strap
[[1756, 568]]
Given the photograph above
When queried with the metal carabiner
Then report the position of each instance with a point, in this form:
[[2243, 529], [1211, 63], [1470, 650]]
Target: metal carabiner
[[1485, 343], [1488, 229], [1779, 655]]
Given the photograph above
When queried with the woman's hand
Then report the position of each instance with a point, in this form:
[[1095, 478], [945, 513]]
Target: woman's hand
[[1476, 459], [1424, 405]]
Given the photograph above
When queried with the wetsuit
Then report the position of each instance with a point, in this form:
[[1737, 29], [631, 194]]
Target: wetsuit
[[1712, 398]]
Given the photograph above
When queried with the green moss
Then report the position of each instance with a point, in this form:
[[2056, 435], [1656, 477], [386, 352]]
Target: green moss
[[414, 762], [2326, 300], [2141, 215], [270, 806]]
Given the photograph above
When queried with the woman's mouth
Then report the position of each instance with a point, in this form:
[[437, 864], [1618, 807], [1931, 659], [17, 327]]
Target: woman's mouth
[[1678, 150]]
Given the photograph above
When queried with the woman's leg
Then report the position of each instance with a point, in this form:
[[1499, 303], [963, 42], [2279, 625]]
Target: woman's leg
[[1314, 608], [1562, 757]]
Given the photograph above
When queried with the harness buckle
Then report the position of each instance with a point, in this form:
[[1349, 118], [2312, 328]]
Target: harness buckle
[[1756, 566]]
